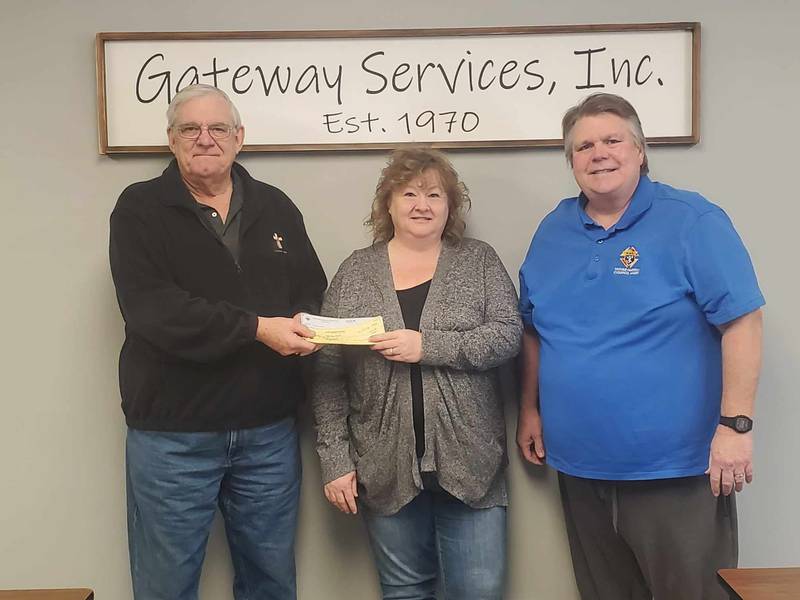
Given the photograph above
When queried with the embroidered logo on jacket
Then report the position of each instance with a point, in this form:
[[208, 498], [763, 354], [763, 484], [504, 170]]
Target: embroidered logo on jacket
[[628, 257], [278, 239]]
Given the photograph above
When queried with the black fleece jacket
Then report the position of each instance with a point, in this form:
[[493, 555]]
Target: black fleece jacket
[[190, 361]]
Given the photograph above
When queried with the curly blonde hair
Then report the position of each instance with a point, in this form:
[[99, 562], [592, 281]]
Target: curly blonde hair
[[406, 165]]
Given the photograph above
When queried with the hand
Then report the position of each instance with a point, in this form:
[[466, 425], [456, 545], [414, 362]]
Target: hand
[[342, 493], [730, 461], [286, 336], [401, 345], [529, 435]]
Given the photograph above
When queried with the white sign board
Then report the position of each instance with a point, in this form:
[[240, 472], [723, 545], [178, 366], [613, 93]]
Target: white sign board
[[484, 87]]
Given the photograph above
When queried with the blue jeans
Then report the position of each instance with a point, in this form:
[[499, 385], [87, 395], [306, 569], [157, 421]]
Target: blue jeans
[[175, 483], [436, 536]]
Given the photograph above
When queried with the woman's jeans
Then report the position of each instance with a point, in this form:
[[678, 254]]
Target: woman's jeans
[[175, 483], [437, 537]]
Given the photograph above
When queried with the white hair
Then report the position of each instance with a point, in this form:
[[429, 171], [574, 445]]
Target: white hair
[[198, 90]]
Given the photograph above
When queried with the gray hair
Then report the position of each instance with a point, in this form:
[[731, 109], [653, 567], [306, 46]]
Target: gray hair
[[198, 90], [598, 104]]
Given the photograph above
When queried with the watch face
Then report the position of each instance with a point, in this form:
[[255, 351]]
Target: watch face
[[743, 424]]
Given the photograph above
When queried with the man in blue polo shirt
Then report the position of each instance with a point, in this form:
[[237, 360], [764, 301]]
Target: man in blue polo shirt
[[642, 352]]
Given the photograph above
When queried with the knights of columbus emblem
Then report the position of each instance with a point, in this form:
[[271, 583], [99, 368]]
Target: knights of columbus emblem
[[629, 257]]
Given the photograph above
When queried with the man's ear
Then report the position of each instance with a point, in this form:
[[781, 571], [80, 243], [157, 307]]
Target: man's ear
[[239, 139]]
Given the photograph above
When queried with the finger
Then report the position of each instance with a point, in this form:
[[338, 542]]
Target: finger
[[714, 479], [538, 446], [534, 457], [351, 502], [303, 346], [380, 337], [528, 452], [307, 352], [303, 331], [341, 499], [727, 482], [383, 345], [330, 494], [388, 351], [354, 487], [740, 477], [525, 449], [336, 499]]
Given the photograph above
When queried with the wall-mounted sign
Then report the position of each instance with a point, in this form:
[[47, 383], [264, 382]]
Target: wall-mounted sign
[[452, 88]]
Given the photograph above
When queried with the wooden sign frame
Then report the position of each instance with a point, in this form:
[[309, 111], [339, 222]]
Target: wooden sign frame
[[689, 93]]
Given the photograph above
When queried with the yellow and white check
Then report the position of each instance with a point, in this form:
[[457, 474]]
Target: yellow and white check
[[354, 332]]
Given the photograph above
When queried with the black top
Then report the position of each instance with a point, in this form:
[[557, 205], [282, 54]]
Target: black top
[[412, 301], [228, 230], [190, 361]]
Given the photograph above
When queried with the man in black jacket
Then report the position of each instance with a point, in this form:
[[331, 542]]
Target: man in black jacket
[[211, 269]]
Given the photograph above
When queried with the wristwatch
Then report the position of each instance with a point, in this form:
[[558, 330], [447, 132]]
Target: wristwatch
[[739, 423]]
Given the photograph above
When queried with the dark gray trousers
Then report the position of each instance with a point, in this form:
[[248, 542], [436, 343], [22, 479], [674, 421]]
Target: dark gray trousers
[[638, 540]]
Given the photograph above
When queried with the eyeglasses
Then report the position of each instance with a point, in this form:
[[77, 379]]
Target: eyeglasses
[[192, 131]]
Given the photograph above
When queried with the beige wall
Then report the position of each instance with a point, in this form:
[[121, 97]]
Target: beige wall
[[62, 515]]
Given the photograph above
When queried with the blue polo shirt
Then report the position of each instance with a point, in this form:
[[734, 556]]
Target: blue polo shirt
[[630, 376]]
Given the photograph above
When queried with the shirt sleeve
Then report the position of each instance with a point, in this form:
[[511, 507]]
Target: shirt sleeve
[[719, 269], [310, 281], [490, 344], [525, 303], [330, 399]]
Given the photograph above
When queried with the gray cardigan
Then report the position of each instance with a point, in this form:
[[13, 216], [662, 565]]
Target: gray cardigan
[[362, 402]]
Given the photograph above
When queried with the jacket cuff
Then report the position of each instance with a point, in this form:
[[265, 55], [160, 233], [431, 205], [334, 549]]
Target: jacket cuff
[[439, 347], [253, 326], [335, 463]]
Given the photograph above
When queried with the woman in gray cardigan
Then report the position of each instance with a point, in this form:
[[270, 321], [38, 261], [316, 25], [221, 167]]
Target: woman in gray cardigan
[[411, 429]]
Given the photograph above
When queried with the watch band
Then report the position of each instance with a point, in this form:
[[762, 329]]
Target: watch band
[[739, 423]]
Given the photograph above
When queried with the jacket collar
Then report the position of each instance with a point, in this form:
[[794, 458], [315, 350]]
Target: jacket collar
[[177, 194], [175, 191]]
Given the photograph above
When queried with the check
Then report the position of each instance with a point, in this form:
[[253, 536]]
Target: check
[[342, 331]]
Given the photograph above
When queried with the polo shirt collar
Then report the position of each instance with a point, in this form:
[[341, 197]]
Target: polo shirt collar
[[641, 201], [237, 195]]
